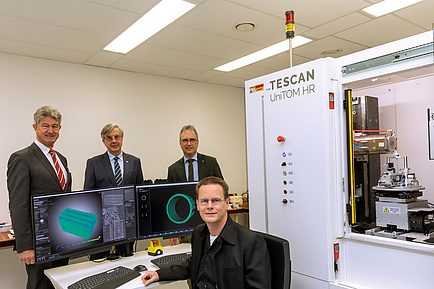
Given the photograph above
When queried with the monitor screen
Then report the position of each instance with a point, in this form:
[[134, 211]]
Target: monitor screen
[[76, 224], [166, 210]]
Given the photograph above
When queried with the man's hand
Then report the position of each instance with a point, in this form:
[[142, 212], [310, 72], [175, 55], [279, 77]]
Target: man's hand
[[27, 257], [172, 241], [150, 277]]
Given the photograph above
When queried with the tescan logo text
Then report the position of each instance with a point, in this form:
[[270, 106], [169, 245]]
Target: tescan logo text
[[293, 80]]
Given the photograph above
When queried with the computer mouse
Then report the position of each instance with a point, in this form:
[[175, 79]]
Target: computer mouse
[[140, 268]]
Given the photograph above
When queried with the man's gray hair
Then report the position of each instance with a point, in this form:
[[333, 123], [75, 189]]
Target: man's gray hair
[[188, 127], [47, 111], [108, 128]]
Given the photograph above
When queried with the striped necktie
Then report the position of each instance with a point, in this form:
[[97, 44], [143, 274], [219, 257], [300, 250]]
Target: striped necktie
[[59, 171], [118, 174]]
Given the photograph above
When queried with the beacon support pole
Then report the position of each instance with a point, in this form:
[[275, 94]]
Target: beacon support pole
[[290, 32]]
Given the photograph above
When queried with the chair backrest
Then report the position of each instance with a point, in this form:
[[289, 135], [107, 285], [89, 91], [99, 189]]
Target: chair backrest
[[280, 260]]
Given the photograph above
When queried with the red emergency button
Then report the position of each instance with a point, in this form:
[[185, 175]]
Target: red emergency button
[[336, 250], [281, 138]]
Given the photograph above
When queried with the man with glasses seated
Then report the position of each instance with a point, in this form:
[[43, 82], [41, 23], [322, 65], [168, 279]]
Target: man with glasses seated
[[193, 166], [225, 255]]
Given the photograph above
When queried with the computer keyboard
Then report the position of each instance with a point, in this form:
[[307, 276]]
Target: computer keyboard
[[170, 259], [109, 279]]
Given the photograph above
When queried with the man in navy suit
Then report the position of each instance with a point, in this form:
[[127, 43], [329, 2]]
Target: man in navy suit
[[36, 169], [202, 165], [101, 170]]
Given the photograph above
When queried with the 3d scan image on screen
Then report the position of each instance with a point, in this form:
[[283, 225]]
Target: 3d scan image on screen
[[78, 223], [178, 206], [166, 210], [68, 223]]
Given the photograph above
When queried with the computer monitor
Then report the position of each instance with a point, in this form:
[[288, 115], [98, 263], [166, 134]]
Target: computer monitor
[[166, 210], [80, 223]]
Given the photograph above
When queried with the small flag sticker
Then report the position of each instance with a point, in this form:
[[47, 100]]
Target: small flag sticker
[[256, 88]]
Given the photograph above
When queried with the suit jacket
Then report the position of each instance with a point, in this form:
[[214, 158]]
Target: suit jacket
[[241, 260], [99, 172], [207, 165], [30, 173]]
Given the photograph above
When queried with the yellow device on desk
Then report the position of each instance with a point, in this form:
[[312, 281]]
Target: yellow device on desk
[[155, 248]]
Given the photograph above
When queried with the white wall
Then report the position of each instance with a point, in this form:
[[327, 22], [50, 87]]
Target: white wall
[[150, 109], [403, 108]]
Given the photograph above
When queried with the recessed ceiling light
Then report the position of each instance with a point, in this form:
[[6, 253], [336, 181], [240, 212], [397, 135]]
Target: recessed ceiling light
[[156, 19], [388, 6], [331, 51], [263, 53], [244, 27]]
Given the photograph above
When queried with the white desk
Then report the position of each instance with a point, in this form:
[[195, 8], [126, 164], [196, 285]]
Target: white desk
[[62, 277]]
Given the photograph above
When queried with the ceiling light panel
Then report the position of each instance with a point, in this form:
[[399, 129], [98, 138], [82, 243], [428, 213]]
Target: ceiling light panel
[[263, 53], [388, 6], [149, 24]]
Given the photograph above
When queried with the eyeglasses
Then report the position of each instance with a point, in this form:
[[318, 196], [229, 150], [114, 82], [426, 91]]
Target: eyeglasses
[[214, 201], [186, 140]]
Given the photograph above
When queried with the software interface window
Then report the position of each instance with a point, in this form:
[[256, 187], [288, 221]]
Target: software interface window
[[165, 210], [79, 221]]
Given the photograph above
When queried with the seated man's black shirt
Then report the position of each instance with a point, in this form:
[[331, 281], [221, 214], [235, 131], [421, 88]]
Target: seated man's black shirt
[[206, 277]]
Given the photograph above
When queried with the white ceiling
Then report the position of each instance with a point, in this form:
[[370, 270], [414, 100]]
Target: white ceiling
[[76, 31]]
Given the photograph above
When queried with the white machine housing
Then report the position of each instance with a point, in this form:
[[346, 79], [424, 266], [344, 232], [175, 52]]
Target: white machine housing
[[298, 180]]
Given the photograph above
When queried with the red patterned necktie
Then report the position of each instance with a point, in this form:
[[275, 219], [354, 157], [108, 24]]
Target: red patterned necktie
[[58, 169]]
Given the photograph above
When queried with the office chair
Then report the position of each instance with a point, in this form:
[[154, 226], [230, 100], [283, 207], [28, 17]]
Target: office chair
[[280, 260]]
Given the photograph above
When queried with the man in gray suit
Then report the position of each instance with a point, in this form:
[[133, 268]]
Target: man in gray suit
[[193, 166], [113, 168], [36, 169]]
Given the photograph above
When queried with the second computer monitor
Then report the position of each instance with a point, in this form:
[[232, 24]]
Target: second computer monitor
[[166, 210]]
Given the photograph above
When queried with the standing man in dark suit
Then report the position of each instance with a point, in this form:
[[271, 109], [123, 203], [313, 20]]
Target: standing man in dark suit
[[193, 166], [36, 169], [100, 170], [113, 168]]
